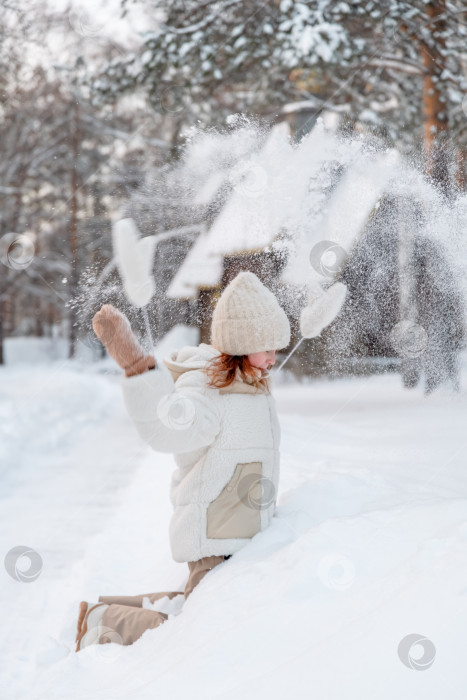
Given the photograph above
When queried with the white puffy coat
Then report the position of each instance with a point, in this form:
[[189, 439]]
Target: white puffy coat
[[226, 447]]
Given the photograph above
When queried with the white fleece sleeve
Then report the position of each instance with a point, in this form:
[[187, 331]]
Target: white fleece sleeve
[[171, 418]]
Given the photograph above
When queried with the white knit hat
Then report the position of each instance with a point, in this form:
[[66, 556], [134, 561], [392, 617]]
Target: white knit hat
[[248, 319]]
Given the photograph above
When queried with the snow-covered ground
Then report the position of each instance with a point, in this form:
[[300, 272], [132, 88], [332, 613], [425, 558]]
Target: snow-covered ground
[[368, 546]]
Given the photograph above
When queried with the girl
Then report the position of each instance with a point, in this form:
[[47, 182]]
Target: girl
[[211, 406]]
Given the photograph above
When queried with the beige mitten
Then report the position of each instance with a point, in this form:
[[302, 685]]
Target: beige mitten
[[114, 331]]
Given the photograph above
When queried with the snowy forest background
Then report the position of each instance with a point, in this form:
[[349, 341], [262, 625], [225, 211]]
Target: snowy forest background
[[99, 109]]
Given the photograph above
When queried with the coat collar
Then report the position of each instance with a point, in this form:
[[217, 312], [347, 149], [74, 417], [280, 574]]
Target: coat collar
[[195, 358], [240, 387]]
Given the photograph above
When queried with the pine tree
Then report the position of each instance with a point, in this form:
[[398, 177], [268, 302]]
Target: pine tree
[[398, 66]]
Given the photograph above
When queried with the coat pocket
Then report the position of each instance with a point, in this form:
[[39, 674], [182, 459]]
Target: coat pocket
[[236, 510]]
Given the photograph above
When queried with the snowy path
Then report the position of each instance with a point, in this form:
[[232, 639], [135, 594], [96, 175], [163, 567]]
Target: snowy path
[[67, 457], [369, 545]]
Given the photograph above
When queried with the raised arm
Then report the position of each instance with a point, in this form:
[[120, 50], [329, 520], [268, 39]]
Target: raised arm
[[172, 418], [169, 418]]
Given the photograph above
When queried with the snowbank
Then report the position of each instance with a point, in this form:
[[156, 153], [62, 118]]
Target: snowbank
[[368, 546]]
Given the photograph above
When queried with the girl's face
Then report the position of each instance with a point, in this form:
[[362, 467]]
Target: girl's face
[[263, 360]]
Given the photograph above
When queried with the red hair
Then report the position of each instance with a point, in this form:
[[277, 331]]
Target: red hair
[[222, 370]]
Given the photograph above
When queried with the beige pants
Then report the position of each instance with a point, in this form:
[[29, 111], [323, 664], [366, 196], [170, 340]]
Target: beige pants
[[125, 619]]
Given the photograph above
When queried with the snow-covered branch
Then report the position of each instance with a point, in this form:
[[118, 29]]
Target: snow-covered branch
[[397, 64]]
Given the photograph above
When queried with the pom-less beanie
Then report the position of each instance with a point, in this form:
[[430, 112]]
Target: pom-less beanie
[[248, 319]]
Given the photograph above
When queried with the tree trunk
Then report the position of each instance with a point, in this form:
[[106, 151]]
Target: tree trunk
[[436, 125], [460, 168], [410, 366], [2, 359], [38, 319], [73, 231]]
